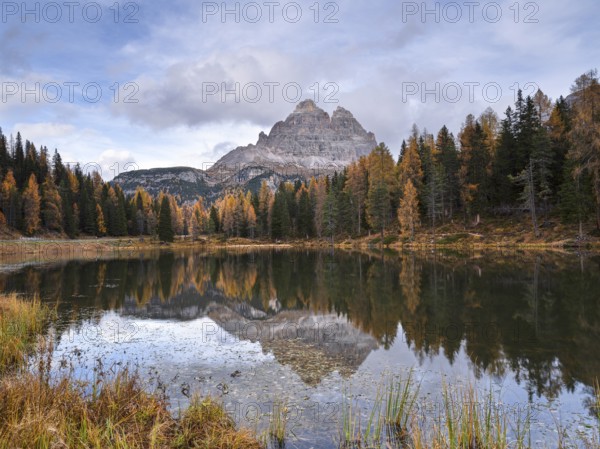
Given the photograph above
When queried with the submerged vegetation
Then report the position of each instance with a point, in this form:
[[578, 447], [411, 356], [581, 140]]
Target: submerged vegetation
[[465, 419]]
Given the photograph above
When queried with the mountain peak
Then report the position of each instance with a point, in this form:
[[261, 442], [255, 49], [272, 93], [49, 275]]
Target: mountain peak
[[306, 106], [308, 140], [341, 112]]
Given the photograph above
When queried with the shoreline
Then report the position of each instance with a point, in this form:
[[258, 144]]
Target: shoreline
[[391, 241]]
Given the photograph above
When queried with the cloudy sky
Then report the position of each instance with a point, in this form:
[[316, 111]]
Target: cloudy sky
[[182, 82]]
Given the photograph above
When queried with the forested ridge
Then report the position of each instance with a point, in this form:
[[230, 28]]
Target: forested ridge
[[541, 160]]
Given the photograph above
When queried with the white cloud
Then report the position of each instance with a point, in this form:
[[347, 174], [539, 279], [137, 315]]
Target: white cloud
[[368, 54]]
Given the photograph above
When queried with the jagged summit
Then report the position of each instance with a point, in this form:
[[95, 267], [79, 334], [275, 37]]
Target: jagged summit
[[306, 106], [307, 139]]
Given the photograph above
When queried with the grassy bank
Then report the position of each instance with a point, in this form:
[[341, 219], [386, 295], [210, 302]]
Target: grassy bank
[[21, 322], [37, 411], [118, 413], [491, 233]]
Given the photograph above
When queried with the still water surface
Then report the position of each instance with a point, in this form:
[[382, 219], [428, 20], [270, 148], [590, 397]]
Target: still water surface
[[306, 328]]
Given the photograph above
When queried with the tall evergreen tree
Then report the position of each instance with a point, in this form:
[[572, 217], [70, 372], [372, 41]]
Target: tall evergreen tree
[[357, 187], [576, 197], [280, 216], [214, 224], [474, 172], [51, 206], [165, 227], [19, 161], [305, 213], [69, 222], [265, 198], [382, 186], [5, 158], [331, 214], [447, 158], [585, 130], [58, 168], [505, 163]]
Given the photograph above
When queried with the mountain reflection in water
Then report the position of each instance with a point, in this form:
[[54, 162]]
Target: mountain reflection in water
[[536, 315]]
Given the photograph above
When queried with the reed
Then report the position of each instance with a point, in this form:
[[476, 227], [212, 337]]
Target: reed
[[21, 323]]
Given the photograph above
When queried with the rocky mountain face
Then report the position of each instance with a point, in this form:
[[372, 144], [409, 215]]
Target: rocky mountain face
[[309, 142]]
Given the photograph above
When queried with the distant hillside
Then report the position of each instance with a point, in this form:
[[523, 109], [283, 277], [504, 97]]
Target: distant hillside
[[186, 182]]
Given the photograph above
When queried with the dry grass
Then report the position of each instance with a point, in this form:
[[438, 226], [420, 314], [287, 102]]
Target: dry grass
[[115, 411], [119, 414], [21, 321]]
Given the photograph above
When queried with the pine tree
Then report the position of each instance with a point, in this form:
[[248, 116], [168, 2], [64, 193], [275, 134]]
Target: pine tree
[[165, 226], [214, 225], [120, 222], [280, 216], [31, 206], [408, 212], [410, 167], [474, 171], [318, 194], [331, 214], [576, 198], [346, 219], [529, 193], [249, 216], [504, 164], [10, 200], [382, 186], [305, 213], [378, 207], [19, 162], [58, 168], [69, 223], [265, 199], [447, 158], [585, 131], [100, 224], [357, 187], [5, 159], [87, 207], [559, 128], [51, 206]]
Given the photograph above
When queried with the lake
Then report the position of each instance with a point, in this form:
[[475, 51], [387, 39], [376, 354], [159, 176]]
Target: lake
[[305, 329]]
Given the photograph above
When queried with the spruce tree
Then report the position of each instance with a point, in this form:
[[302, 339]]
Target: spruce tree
[[447, 158], [69, 224], [305, 214], [19, 162], [214, 225], [165, 229], [576, 197], [280, 221], [51, 206]]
